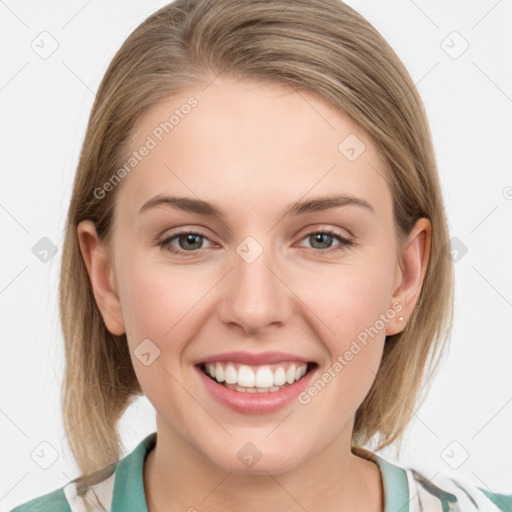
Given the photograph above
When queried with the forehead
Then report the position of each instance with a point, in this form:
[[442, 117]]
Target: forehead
[[246, 145]]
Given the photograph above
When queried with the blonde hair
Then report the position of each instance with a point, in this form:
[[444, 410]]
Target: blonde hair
[[320, 46]]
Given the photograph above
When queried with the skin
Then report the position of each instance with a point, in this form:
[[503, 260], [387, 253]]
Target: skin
[[253, 149]]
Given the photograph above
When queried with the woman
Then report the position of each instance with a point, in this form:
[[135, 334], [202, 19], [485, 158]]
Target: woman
[[255, 242]]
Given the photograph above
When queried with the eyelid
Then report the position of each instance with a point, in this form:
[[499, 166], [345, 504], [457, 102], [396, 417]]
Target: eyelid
[[308, 230], [186, 231], [182, 230], [344, 242], [314, 228]]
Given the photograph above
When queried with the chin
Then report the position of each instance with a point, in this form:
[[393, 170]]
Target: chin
[[254, 459]]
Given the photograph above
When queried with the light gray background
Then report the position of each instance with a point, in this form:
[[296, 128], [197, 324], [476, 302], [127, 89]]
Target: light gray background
[[45, 106]]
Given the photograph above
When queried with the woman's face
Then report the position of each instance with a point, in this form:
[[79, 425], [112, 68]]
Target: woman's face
[[246, 281]]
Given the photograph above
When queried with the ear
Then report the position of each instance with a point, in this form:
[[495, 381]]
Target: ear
[[101, 274], [411, 269]]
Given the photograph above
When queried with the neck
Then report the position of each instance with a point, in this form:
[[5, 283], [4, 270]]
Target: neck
[[177, 477]]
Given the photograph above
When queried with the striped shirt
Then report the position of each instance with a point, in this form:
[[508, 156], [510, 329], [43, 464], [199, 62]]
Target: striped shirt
[[405, 490]]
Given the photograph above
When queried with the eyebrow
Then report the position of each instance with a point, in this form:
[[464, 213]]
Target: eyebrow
[[189, 204]]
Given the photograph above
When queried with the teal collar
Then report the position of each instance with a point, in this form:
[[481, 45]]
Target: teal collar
[[394, 481], [129, 495]]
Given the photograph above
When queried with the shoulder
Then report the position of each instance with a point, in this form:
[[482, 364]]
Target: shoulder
[[98, 491], [52, 502], [67, 499], [454, 493], [415, 489]]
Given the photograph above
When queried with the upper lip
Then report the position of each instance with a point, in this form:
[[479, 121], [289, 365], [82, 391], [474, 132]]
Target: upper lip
[[253, 358]]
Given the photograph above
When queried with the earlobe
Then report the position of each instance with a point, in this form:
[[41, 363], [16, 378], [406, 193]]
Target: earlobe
[[415, 255], [101, 275]]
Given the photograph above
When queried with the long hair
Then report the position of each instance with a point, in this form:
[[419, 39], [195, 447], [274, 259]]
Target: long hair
[[320, 46]]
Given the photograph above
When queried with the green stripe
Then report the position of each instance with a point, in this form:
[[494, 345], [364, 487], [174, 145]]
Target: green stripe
[[502, 501]]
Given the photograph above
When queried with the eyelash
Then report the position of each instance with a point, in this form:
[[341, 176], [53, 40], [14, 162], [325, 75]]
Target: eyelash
[[344, 242]]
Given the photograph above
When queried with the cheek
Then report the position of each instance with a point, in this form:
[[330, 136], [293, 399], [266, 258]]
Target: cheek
[[354, 307], [158, 301], [160, 304], [348, 298]]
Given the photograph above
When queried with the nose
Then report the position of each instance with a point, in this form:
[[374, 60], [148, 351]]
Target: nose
[[256, 297]]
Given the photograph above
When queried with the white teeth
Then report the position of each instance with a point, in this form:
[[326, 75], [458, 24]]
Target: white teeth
[[245, 376], [290, 374], [262, 380], [280, 376], [264, 377], [231, 374], [219, 373]]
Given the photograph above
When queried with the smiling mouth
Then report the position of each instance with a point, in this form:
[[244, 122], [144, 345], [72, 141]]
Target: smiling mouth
[[267, 378]]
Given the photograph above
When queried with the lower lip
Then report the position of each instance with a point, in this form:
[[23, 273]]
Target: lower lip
[[255, 403]]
